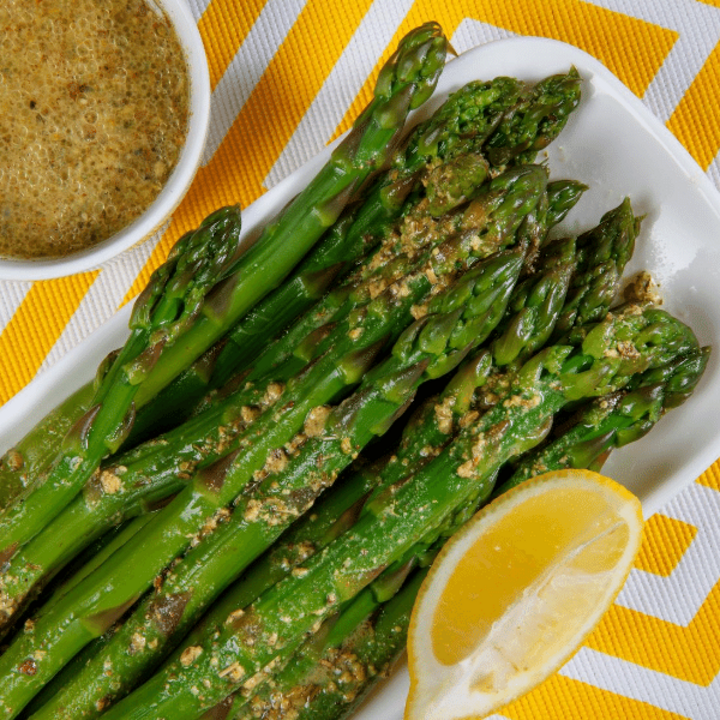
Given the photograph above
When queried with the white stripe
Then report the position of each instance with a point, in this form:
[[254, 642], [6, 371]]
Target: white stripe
[[247, 67], [714, 170], [639, 683], [340, 87], [678, 598], [699, 27], [10, 300]]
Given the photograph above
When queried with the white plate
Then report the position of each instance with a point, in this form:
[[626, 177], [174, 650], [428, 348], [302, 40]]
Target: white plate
[[616, 146]]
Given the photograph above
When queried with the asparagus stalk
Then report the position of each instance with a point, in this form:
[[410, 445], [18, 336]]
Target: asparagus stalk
[[604, 251], [612, 422], [458, 319], [536, 120], [605, 359], [563, 195], [174, 303]]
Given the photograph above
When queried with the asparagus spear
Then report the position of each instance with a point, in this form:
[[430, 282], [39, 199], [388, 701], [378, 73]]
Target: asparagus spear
[[563, 195], [612, 422], [147, 362], [537, 119], [607, 249]]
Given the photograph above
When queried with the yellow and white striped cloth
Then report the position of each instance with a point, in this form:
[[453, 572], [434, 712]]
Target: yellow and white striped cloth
[[288, 76]]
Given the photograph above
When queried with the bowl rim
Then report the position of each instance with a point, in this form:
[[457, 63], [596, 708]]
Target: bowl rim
[[160, 210]]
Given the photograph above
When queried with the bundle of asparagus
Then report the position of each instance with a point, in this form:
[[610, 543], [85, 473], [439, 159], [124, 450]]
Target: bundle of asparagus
[[207, 541]]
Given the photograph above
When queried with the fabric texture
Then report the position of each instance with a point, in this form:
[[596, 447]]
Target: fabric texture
[[288, 76]]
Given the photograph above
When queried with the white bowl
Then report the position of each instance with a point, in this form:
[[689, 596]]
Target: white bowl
[[176, 186]]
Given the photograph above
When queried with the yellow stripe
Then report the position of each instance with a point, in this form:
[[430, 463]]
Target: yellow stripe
[[689, 653], [36, 326], [224, 26], [696, 122], [631, 48], [664, 543], [560, 698], [268, 119], [711, 477]]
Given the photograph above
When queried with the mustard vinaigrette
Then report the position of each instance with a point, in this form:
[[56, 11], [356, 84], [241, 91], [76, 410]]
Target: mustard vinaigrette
[[94, 104]]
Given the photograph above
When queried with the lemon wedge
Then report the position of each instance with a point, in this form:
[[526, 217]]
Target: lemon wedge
[[514, 593]]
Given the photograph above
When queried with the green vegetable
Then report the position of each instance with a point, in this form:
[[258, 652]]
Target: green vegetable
[[140, 479], [344, 357], [174, 303], [162, 314], [327, 677], [460, 475], [589, 436], [458, 319]]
